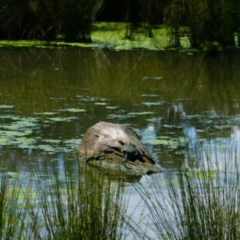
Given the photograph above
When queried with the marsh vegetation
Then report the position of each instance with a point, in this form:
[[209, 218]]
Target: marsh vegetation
[[79, 203], [185, 107], [209, 25], [201, 198]]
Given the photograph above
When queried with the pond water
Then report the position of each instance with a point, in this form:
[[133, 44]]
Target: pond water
[[177, 102]]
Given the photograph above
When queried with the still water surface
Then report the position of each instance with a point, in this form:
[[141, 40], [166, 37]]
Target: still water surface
[[177, 102]]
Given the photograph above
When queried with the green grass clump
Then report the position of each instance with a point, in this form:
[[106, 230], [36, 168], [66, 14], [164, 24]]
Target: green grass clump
[[198, 202], [87, 207], [12, 218], [77, 204]]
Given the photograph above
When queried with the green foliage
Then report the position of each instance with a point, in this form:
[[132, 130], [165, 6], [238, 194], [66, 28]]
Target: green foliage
[[210, 23], [207, 23]]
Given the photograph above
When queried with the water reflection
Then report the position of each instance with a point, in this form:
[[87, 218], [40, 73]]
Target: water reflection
[[164, 95], [184, 107]]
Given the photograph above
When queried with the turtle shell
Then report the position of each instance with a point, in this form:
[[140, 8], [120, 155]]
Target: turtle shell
[[129, 148], [105, 137]]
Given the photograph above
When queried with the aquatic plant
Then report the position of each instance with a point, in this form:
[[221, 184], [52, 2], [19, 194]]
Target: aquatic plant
[[78, 203], [12, 224], [86, 206], [199, 201]]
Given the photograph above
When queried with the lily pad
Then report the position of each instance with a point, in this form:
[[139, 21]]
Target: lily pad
[[62, 119], [9, 133], [47, 148], [73, 143], [120, 116], [112, 107], [26, 143], [141, 113], [100, 103], [47, 113], [155, 119], [23, 124], [152, 78], [150, 95], [159, 142], [172, 126], [53, 141], [92, 99], [7, 106], [149, 104], [73, 110], [3, 141], [171, 142]]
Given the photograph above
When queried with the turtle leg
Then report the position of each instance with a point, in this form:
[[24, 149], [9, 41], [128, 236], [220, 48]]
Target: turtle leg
[[125, 158]]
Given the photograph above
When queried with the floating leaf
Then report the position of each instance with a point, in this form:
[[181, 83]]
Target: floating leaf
[[172, 143], [183, 140], [155, 119], [7, 106], [26, 143], [149, 104], [150, 95], [158, 142], [112, 107], [55, 141], [72, 142], [62, 119], [120, 116], [172, 126], [47, 148], [3, 141], [73, 110], [8, 133], [23, 124], [151, 78], [141, 113], [47, 113], [100, 103]]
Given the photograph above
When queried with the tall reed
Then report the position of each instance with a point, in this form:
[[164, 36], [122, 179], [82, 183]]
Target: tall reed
[[12, 219], [78, 203], [197, 202], [87, 206]]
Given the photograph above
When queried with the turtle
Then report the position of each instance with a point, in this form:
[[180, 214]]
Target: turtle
[[130, 152], [106, 140]]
